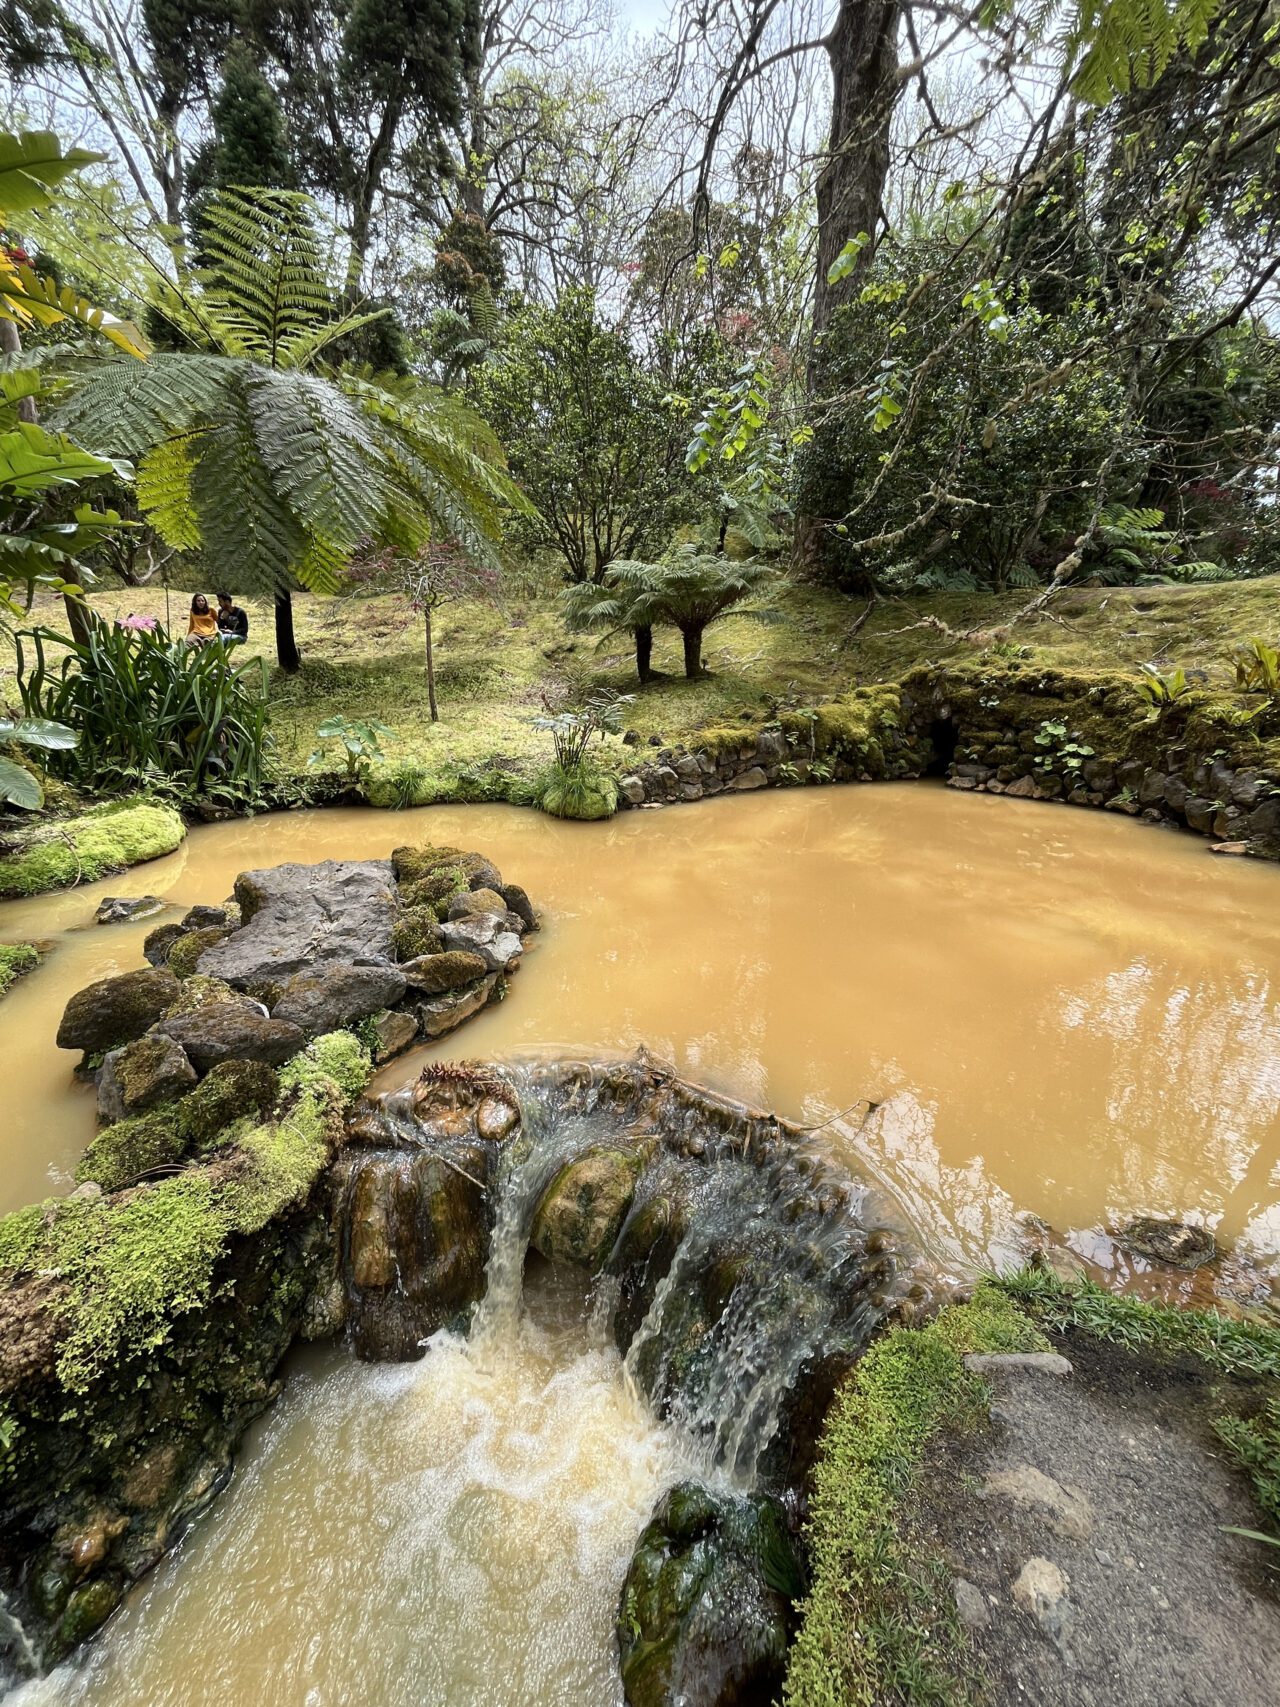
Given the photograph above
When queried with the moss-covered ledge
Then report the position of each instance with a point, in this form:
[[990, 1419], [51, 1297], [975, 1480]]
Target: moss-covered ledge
[[57, 853]]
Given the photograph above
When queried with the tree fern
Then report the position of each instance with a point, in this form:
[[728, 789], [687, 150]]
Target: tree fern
[[274, 466], [1115, 45]]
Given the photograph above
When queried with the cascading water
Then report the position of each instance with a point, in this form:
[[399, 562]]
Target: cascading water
[[467, 1517]]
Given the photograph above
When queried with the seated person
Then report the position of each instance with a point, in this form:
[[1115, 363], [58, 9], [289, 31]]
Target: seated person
[[233, 623], [202, 628]]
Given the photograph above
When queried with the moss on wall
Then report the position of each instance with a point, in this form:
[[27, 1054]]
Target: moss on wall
[[80, 850]]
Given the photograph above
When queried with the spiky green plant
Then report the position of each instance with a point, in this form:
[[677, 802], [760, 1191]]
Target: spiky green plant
[[254, 454]]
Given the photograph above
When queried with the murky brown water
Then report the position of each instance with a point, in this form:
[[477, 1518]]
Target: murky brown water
[[1057, 1011], [1054, 1011]]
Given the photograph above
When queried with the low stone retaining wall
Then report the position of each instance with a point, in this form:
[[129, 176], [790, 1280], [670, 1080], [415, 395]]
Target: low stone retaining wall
[[1086, 739]]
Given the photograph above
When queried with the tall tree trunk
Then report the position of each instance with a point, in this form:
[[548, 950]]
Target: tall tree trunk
[[287, 655], [431, 665], [692, 637], [644, 652], [864, 62]]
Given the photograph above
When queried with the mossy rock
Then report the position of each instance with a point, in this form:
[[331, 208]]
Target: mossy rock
[[158, 942], [582, 1210], [115, 1010], [232, 1091], [416, 932], [438, 885], [433, 974], [145, 1073], [411, 865], [80, 850], [473, 902], [185, 952]]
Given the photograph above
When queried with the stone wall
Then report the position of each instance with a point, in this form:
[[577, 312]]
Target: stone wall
[[1210, 765]]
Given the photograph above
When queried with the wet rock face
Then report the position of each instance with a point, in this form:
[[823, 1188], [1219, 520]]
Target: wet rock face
[[115, 909], [116, 1010], [298, 917], [705, 1613], [416, 1241], [582, 1210]]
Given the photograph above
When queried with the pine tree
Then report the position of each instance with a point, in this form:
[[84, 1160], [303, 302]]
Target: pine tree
[[249, 148]]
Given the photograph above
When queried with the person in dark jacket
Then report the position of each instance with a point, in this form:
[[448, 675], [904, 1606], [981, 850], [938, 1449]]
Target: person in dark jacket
[[233, 623]]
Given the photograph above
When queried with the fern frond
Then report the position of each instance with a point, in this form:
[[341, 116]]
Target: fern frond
[[164, 491]]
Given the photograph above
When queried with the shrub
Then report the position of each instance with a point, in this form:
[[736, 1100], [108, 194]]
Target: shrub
[[147, 709], [15, 959], [577, 791]]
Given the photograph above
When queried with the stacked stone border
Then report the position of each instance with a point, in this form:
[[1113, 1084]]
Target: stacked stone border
[[1208, 765]]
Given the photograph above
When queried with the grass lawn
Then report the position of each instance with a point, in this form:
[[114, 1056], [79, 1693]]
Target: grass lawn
[[363, 658]]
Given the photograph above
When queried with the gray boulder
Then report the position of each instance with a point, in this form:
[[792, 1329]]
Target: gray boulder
[[519, 903], [439, 1015], [116, 1010], [114, 909], [495, 937], [233, 1031], [336, 995], [298, 917]]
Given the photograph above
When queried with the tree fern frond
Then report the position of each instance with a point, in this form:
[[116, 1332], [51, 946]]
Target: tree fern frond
[[164, 491]]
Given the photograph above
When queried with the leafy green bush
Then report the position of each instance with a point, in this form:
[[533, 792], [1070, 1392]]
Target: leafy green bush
[[148, 711]]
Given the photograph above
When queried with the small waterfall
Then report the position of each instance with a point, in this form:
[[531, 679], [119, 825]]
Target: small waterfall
[[725, 1261]]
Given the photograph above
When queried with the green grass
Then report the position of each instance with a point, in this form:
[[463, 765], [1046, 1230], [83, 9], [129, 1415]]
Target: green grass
[[879, 1624], [15, 959], [363, 658]]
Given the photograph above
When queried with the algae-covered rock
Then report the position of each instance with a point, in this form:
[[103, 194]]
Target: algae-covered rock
[[226, 1031], [116, 1010], [436, 886], [411, 865], [116, 909], [705, 1614], [433, 974], [582, 1210], [416, 932], [337, 995], [141, 1075], [185, 950]]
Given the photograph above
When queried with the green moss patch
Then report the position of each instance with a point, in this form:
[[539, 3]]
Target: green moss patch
[[15, 959], [338, 1061], [232, 1091], [80, 850], [878, 1624], [121, 1268]]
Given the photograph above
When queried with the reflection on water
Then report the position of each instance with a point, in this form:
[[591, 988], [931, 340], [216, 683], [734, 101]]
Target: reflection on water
[[1059, 1012], [452, 1532]]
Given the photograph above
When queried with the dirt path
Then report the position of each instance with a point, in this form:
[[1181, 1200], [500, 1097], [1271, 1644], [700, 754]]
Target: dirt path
[[1085, 1530]]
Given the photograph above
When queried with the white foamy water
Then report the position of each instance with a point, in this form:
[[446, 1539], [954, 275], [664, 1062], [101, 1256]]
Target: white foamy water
[[449, 1533]]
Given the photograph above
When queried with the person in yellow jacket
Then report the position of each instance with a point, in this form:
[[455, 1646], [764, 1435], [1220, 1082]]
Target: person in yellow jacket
[[203, 626]]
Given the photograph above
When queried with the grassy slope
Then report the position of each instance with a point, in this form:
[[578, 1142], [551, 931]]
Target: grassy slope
[[364, 657]]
